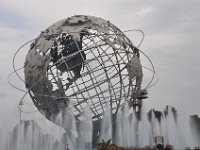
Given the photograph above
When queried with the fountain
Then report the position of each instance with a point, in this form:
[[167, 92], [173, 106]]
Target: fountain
[[177, 131]]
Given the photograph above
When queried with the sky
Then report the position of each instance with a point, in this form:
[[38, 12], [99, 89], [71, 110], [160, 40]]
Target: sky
[[171, 41]]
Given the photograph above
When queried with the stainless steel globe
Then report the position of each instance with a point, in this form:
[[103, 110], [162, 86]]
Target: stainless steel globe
[[82, 60]]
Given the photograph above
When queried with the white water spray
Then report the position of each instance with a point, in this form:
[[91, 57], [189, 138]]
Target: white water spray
[[129, 131]]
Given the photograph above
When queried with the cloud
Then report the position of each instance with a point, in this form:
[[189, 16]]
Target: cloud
[[11, 19], [43, 13]]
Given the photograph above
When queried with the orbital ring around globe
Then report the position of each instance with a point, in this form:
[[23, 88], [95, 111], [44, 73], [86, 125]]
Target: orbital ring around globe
[[26, 92], [15, 72], [94, 73]]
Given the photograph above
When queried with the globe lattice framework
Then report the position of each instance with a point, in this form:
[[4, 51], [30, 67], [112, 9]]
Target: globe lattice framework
[[82, 60]]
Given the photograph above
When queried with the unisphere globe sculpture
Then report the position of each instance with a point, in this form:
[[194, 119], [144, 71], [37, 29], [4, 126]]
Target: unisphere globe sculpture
[[82, 60]]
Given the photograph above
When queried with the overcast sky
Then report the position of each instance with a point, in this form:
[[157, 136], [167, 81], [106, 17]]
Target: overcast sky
[[171, 41]]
